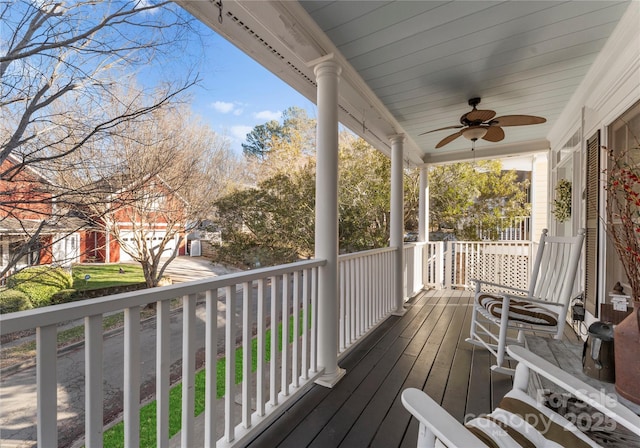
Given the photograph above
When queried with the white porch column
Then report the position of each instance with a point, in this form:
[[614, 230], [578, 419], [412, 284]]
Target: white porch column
[[397, 219], [327, 73], [423, 204]]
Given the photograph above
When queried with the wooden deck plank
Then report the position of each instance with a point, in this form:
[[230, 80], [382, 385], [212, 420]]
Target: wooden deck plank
[[371, 409], [389, 367], [373, 423], [455, 394], [439, 374], [479, 396], [426, 349], [359, 365], [389, 433], [500, 385]]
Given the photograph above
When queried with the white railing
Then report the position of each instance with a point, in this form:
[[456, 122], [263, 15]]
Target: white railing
[[253, 303], [433, 264], [366, 293], [284, 294], [413, 268], [453, 264], [509, 229]]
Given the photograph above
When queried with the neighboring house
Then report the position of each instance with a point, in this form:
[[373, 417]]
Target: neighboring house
[[154, 213], [31, 233]]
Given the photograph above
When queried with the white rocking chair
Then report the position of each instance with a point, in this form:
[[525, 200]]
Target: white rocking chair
[[520, 420], [543, 308]]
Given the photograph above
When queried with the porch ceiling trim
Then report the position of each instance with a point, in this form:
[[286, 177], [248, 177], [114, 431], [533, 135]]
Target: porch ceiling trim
[[495, 152], [286, 51]]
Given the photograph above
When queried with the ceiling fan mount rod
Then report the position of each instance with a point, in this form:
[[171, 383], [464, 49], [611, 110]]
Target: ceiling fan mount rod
[[473, 102]]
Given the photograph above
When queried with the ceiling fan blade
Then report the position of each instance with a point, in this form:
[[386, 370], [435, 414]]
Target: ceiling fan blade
[[479, 115], [494, 134], [448, 139], [517, 120], [458, 126]]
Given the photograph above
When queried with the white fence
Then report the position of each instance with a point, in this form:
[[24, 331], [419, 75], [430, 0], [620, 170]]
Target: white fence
[[454, 264], [509, 229]]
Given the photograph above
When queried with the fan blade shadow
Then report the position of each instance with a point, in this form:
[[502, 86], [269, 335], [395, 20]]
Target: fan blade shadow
[[517, 120], [443, 129]]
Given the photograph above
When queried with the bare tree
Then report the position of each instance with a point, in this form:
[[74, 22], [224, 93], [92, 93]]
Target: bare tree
[[61, 65], [164, 176]]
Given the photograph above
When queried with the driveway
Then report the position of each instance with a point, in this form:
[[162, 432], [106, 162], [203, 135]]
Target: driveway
[[185, 268]]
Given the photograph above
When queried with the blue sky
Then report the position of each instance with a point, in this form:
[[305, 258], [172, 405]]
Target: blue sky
[[237, 93]]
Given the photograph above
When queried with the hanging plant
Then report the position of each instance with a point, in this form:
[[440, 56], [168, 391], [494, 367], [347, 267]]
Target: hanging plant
[[562, 203]]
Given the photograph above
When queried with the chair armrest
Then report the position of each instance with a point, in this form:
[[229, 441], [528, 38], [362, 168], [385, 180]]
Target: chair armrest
[[497, 285], [593, 397], [438, 421]]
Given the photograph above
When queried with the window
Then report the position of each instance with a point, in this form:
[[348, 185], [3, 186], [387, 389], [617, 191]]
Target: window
[[624, 142]]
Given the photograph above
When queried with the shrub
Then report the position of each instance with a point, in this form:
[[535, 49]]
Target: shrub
[[12, 300], [63, 296], [39, 283]]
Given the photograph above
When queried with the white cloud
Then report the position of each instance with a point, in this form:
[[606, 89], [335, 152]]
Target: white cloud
[[240, 131], [222, 107], [268, 115]]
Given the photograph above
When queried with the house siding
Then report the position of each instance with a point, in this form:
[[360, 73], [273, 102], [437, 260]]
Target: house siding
[[25, 196], [610, 88]]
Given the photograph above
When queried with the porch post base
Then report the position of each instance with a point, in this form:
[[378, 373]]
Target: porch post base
[[331, 380], [401, 312]]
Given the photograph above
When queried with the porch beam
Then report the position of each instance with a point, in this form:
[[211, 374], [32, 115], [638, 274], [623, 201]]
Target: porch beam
[[327, 72], [397, 219]]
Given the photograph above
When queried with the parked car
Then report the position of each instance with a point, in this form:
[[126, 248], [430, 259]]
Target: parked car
[[411, 237]]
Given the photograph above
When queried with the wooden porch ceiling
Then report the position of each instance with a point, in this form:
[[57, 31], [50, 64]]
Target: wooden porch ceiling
[[426, 349]]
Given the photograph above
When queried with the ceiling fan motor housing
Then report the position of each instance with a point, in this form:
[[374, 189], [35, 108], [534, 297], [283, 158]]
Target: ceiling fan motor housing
[[482, 124]]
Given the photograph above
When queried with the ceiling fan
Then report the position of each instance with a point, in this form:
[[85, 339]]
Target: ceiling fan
[[481, 124]]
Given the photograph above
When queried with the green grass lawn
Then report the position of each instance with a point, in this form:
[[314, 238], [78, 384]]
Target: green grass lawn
[[105, 275], [114, 437]]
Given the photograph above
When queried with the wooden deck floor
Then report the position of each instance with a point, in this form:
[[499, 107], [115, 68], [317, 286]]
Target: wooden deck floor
[[426, 349]]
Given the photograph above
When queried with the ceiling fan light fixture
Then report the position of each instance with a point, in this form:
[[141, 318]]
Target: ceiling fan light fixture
[[473, 133]]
